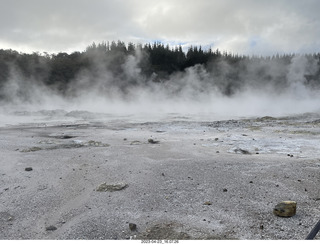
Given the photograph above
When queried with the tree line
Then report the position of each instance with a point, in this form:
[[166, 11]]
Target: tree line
[[156, 60]]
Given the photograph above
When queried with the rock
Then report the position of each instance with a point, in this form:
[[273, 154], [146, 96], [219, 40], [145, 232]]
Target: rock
[[96, 144], [132, 226], [243, 151], [113, 187], [32, 149], [207, 203], [65, 137], [51, 228], [285, 209], [225, 189], [28, 169], [151, 141]]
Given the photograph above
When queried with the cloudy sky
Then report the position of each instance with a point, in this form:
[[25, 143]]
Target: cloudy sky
[[261, 27]]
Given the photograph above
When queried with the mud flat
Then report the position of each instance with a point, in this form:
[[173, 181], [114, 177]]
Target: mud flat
[[170, 178]]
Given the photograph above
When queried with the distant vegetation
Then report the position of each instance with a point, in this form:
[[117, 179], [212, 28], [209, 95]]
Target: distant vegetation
[[151, 63]]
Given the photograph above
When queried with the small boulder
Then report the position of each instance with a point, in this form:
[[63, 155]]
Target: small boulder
[[151, 141], [243, 151], [132, 227], [28, 169], [112, 187], [51, 228], [285, 209]]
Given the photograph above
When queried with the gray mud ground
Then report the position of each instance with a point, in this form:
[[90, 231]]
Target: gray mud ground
[[193, 180]]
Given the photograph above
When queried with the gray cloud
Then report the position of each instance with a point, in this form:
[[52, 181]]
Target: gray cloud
[[245, 27]]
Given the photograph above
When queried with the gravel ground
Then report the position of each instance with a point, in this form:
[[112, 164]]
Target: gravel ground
[[172, 178]]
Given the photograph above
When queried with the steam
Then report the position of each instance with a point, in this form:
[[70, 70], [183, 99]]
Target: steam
[[196, 91]]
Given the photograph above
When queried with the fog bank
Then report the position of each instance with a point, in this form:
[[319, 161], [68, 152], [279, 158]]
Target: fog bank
[[217, 90]]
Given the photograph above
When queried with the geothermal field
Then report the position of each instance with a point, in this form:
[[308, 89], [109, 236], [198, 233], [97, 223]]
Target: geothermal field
[[120, 149], [85, 175], [159, 121]]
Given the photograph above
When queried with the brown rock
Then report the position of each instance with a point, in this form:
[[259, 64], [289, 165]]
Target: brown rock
[[285, 209]]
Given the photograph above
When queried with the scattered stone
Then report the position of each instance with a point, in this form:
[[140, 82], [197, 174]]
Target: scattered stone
[[132, 226], [65, 137], [32, 149], [243, 151], [225, 189], [113, 187], [51, 228], [285, 209], [28, 169], [251, 181], [97, 144], [162, 174], [207, 203], [217, 152], [151, 141]]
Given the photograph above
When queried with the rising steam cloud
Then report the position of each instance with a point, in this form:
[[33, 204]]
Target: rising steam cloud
[[197, 90]]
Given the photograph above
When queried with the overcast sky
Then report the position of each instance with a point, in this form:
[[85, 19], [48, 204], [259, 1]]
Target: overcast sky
[[261, 27]]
